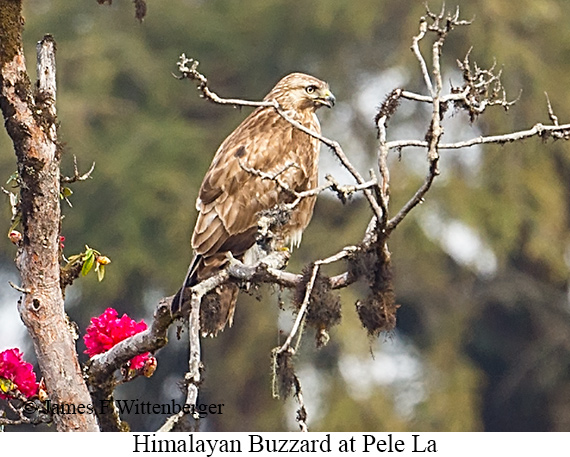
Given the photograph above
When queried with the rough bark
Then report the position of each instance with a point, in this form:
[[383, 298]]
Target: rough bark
[[31, 123]]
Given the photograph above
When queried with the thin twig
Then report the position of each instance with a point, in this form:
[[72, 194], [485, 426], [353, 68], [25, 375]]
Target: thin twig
[[188, 69], [416, 50], [551, 114], [18, 288], [384, 170], [286, 346], [342, 191], [540, 130], [192, 378], [76, 176], [414, 201], [272, 176], [337, 149]]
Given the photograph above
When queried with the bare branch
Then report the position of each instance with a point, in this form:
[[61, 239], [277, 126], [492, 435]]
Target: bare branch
[[416, 97], [188, 68], [343, 191], [273, 176], [441, 24], [383, 167], [76, 176], [101, 367], [416, 50], [18, 288], [539, 130], [551, 114], [193, 376], [301, 417], [415, 200], [286, 346]]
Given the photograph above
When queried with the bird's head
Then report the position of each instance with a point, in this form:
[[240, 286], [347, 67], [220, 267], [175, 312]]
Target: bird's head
[[299, 92]]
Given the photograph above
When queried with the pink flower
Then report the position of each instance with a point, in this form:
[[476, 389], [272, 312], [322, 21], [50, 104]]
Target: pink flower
[[18, 372], [108, 329]]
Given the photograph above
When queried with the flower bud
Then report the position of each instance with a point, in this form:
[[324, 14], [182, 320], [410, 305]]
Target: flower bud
[[42, 391], [15, 236], [103, 260], [149, 367]]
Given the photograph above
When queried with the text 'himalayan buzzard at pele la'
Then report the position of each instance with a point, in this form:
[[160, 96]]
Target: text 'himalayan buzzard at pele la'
[[234, 192]]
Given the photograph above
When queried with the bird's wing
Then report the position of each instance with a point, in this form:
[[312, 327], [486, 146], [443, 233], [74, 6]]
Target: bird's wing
[[231, 196]]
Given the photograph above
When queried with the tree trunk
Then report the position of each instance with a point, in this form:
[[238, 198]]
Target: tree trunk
[[31, 123]]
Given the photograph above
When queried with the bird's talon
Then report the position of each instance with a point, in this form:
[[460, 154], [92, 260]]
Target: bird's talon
[[231, 259]]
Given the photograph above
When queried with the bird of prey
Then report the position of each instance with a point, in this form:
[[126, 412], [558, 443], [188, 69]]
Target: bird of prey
[[235, 189]]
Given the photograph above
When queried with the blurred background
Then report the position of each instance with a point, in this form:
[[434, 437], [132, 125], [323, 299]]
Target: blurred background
[[481, 268]]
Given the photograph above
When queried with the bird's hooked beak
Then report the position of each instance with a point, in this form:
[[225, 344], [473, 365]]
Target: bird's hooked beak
[[328, 99]]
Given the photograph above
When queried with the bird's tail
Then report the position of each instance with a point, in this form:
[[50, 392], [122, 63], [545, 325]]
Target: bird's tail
[[189, 281], [217, 307]]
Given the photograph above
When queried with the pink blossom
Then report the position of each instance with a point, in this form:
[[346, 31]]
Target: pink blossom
[[108, 329], [14, 369]]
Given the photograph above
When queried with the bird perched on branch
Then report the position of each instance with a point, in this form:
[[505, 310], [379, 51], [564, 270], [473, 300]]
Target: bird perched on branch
[[238, 187]]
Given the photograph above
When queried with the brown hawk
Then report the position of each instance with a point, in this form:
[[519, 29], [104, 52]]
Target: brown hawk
[[234, 192]]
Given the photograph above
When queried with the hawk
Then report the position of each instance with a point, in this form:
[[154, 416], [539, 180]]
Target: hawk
[[235, 189]]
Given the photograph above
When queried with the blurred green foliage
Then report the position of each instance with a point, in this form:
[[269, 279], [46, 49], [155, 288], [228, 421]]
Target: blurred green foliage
[[473, 350]]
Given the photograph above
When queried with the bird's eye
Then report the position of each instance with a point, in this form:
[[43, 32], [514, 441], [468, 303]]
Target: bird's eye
[[311, 89]]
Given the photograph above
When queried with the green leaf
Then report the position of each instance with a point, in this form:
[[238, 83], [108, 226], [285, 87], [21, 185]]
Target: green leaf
[[88, 261], [66, 192], [101, 272], [13, 178], [16, 222]]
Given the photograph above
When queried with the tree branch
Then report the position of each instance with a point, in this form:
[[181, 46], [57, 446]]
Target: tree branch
[[76, 176], [538, 130]]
